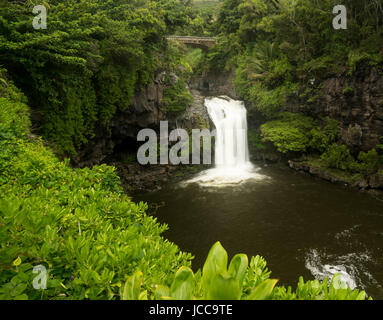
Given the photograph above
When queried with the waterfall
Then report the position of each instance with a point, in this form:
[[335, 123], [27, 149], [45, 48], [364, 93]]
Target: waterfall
[[229, 118], [232, 164]]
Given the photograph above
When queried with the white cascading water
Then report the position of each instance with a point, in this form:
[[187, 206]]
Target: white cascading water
[[232, 164], [229, 118]]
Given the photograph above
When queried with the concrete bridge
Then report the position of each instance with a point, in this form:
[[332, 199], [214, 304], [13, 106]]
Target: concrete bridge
[[201, 41]]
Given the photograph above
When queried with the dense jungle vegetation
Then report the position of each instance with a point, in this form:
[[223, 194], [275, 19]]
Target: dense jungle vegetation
[[66, 82], [282, 51], [90, 61]]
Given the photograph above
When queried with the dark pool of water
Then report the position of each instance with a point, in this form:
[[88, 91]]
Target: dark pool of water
[[300, 225]]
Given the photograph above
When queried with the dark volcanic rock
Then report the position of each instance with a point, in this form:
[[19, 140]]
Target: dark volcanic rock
[[145, 111], [215, 84], [356, 102], [337, 176], [376, 181]]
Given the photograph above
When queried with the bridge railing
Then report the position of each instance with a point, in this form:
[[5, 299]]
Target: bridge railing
[[191, 38]]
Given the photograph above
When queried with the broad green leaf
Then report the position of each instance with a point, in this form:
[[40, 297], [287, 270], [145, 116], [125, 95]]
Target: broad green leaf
[[19, 289], [238, 267], [132, 287], [337, 289], [183, 284], [361, 296], [21, 297], [143, 295], [215, 264], [223, 288], [161, 291], [264, 290]]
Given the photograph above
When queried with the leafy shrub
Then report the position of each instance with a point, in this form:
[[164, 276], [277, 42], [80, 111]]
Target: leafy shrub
[[176, 60], [238, 281], [220, 282], [176, 98], [348, 91], [290, 133], [280, 69], [77, 223], [255, 141], [338, 157], [318, 67], [15, 122], [195, 58], [369, 162], [97, 244], [356, 56], [314, 290], [267, 101], [321, 139], [264, 80], [88, 63]]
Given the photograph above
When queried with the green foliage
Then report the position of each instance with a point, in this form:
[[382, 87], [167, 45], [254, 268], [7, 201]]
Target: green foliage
[[348, 91], [207, 6], [14, 113], [314, 290], [220, 282], [89, 61], [229, 17], [319, 67], [356, 56], [369, 162], [263, 78], [196, 58], [132, 287], [255, 141], [338, 157], [270, 101], [241, 281], [322, 138], [97, 244], [176, 98], [276, 47], [94, 241], [129, 158], [77, 223], [289, 133], [294, 132], [175, 61], [202, 17], [222, 55], [303, 29]]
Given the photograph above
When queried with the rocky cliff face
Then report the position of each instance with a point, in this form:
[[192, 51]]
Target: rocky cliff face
[[145, 111], [357, 103], [215, 84]]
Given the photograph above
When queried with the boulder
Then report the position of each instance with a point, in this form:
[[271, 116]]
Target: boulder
[[376, 181]]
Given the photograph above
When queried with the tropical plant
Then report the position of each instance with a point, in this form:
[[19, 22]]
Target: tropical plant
[[324, 137], [76, 223], [238, 281], [176, 98], [338, 157], [289, 133]]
